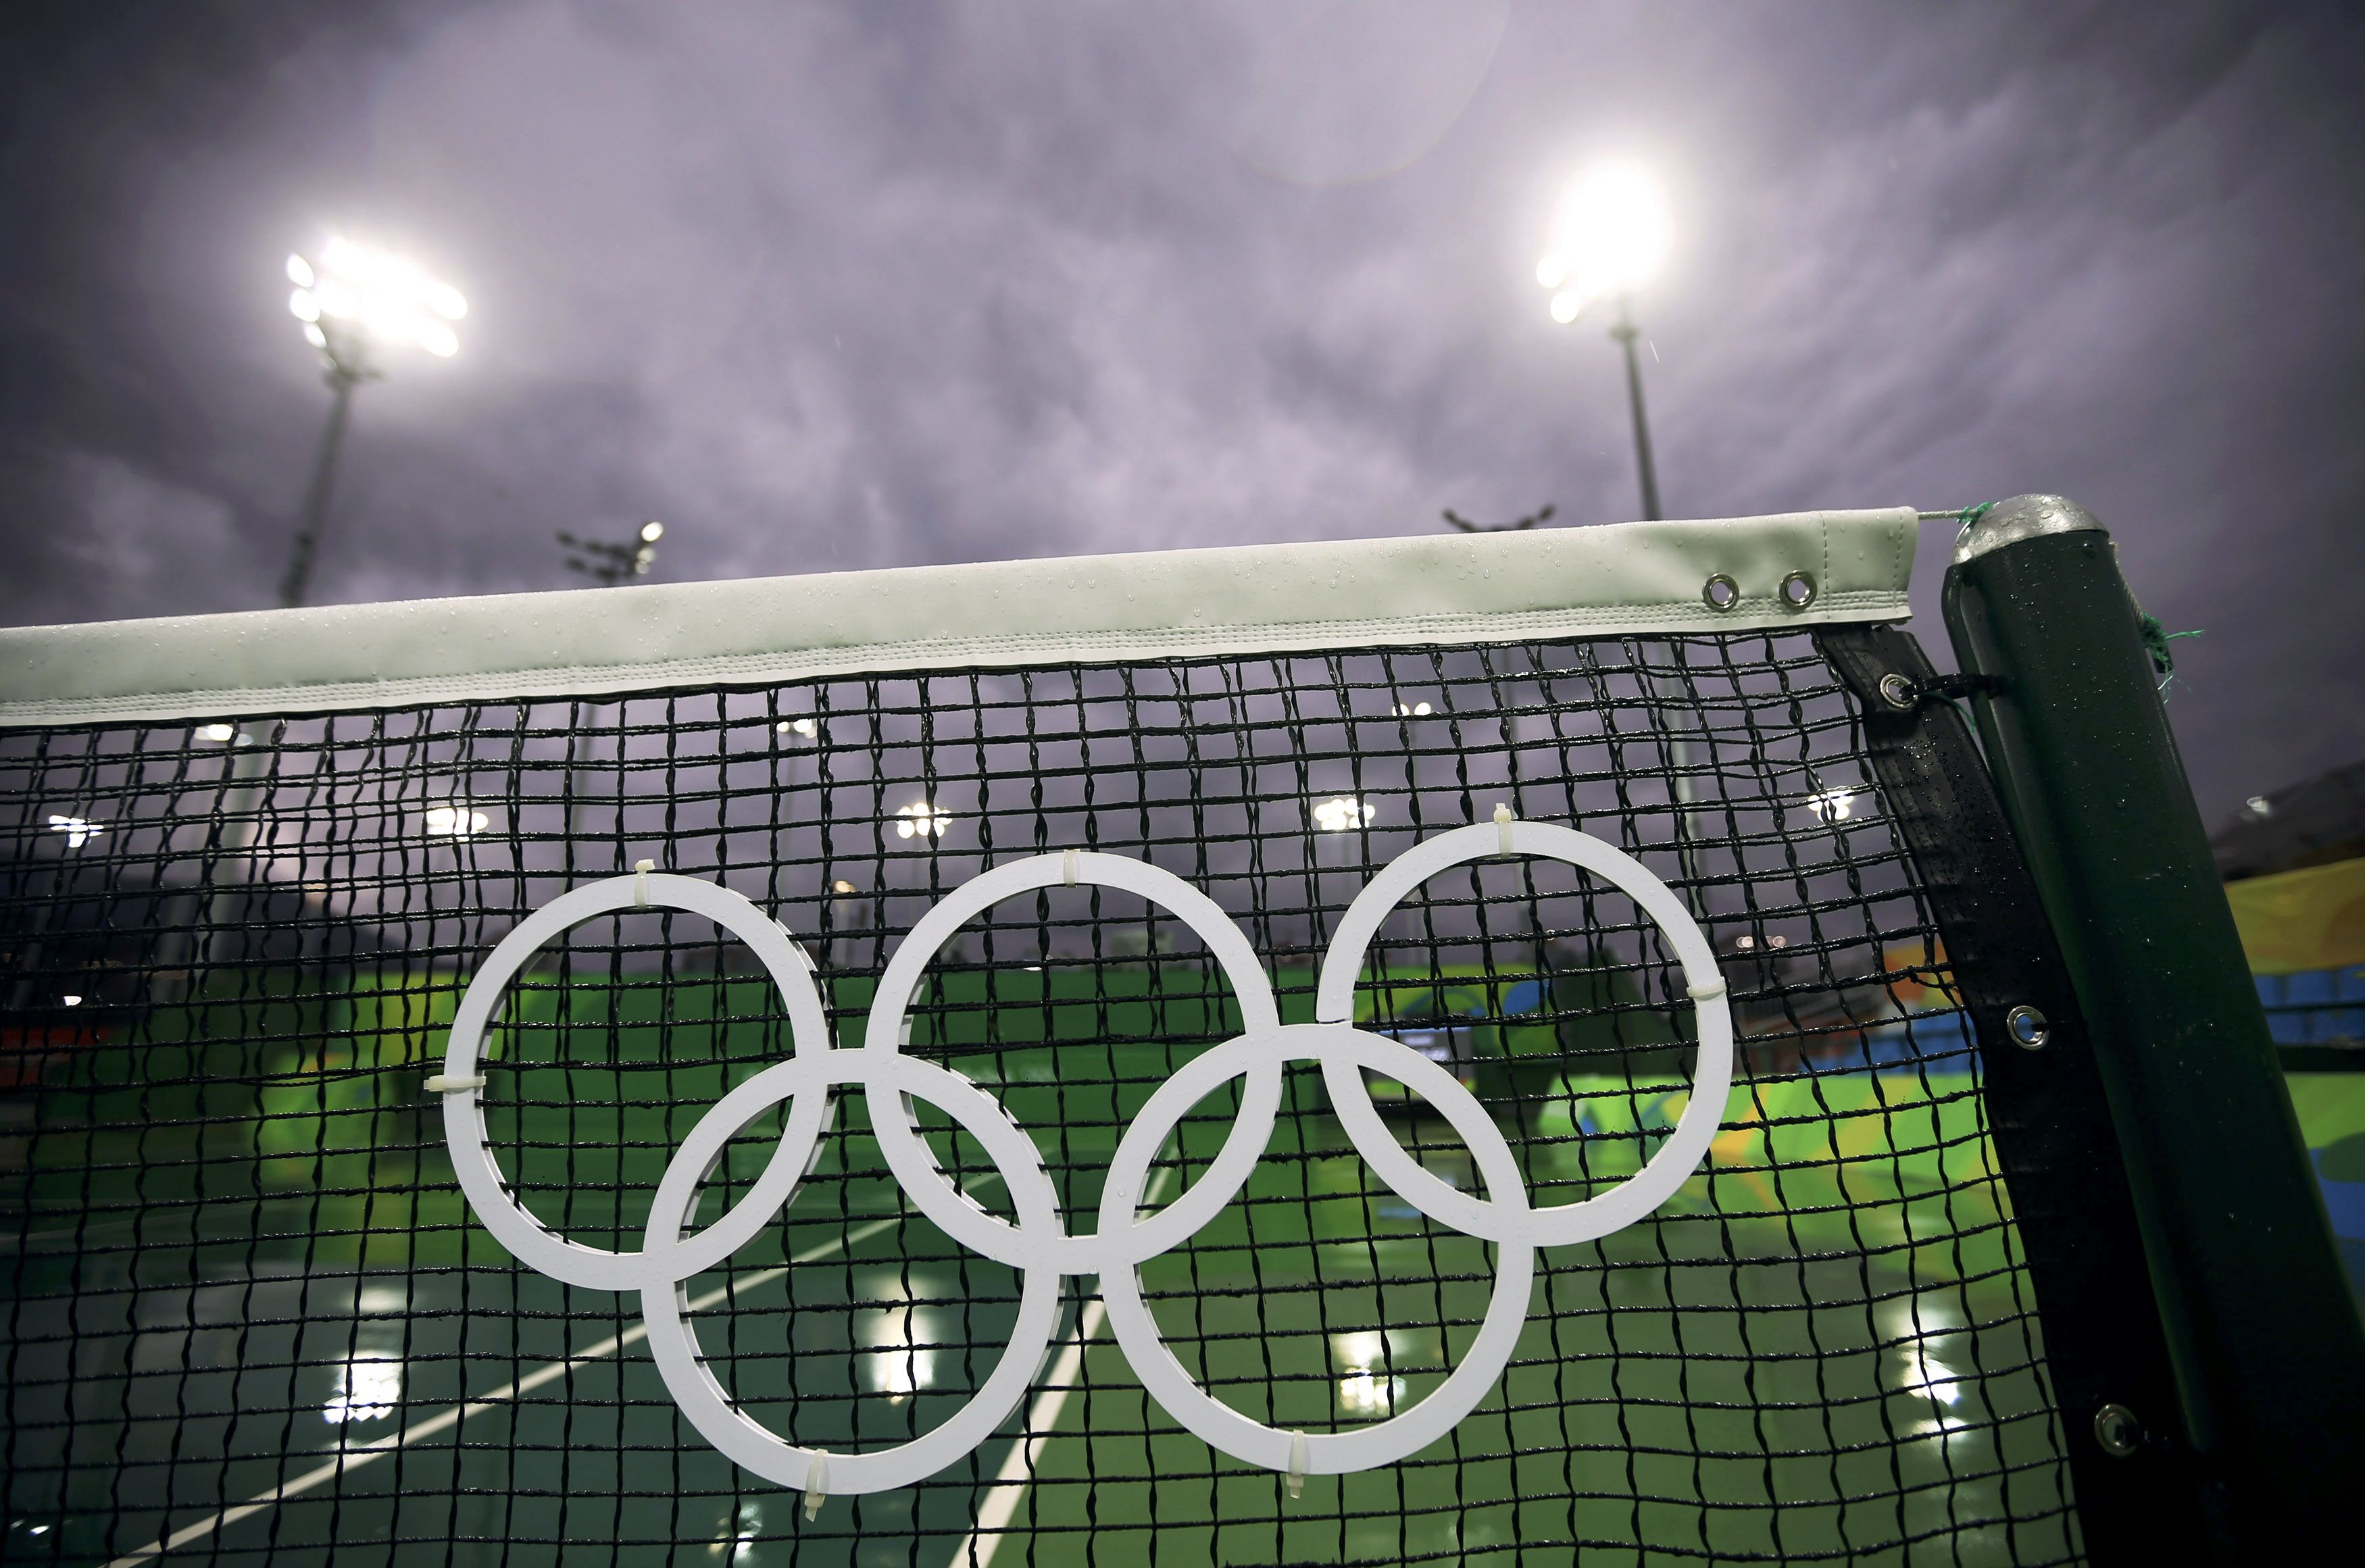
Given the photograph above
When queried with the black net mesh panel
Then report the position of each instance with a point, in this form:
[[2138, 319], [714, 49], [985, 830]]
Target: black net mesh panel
[[250, 1316]]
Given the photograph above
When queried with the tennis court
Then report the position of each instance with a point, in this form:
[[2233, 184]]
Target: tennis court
[[314, 1295]]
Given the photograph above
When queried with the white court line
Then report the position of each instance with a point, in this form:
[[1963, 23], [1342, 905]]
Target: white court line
[[353, 1459], [1017, 1469]]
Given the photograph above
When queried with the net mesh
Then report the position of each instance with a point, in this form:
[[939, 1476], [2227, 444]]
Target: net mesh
[[250, 1316]]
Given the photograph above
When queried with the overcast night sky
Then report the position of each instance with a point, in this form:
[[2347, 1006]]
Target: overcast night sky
[[839, 287]]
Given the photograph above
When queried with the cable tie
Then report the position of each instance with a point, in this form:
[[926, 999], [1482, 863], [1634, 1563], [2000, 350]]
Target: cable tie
[[816, 1484], [1296, 1464], [1070, 862], [1708, 993], [1503, 821], [452, 1083], [641, 870]]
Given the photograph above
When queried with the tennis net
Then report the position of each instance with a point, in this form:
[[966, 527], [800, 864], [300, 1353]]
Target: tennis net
[[253, 1314]]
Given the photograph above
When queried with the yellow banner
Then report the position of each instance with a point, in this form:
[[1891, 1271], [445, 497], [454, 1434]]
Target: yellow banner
[[2312, 918]]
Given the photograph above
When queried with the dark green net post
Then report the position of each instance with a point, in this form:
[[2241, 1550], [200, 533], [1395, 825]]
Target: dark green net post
[[2268, 1351]]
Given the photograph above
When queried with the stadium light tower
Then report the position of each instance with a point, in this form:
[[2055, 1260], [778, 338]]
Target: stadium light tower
[[349, 298], [1608, 238]]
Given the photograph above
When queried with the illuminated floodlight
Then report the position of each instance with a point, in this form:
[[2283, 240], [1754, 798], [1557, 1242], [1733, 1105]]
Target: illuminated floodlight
[[1413, 709], [79, 831], [1343, 813], [1609, 237], [1831, 805], [921, 819], [804, 729], [71, 1000], [219, 732], [651, 530], [455, 822], [394, 298]]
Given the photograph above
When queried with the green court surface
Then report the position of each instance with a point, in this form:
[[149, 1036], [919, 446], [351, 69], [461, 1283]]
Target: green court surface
[[244, 1247]]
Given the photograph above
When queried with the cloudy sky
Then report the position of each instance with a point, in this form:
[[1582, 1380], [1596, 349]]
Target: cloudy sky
[[832, 287]]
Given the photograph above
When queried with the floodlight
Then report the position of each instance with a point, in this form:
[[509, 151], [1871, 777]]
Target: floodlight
[[78, 831], [393, 298], [651, 530], [1831, 805], [1343, 813], [1609, 237], [350, 291], [920, 819]]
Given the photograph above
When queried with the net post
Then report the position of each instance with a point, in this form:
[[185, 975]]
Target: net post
[[2139, 1502], [2268, 1347]]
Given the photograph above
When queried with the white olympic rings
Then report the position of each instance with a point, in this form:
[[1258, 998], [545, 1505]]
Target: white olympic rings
[[1037, 1243]]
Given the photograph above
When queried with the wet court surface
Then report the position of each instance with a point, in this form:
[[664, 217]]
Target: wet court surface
[[1821, 1345]]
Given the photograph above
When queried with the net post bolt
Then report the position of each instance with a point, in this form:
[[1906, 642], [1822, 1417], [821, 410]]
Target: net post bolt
[[641, 870], [1297, 1455], [2117, 1432]]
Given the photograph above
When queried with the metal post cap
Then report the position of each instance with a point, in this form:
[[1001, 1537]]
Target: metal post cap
[[2022, 517]]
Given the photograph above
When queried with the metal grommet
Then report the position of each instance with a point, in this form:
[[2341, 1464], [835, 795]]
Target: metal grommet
[[2029, 1031], [2118, 1431], [1720, 592], [1898, 691], [1798, 590]]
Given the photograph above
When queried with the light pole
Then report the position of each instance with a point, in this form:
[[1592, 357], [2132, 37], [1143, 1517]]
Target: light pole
[[1625, 332], [1608, 238], [610, 563], [352, 296]]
